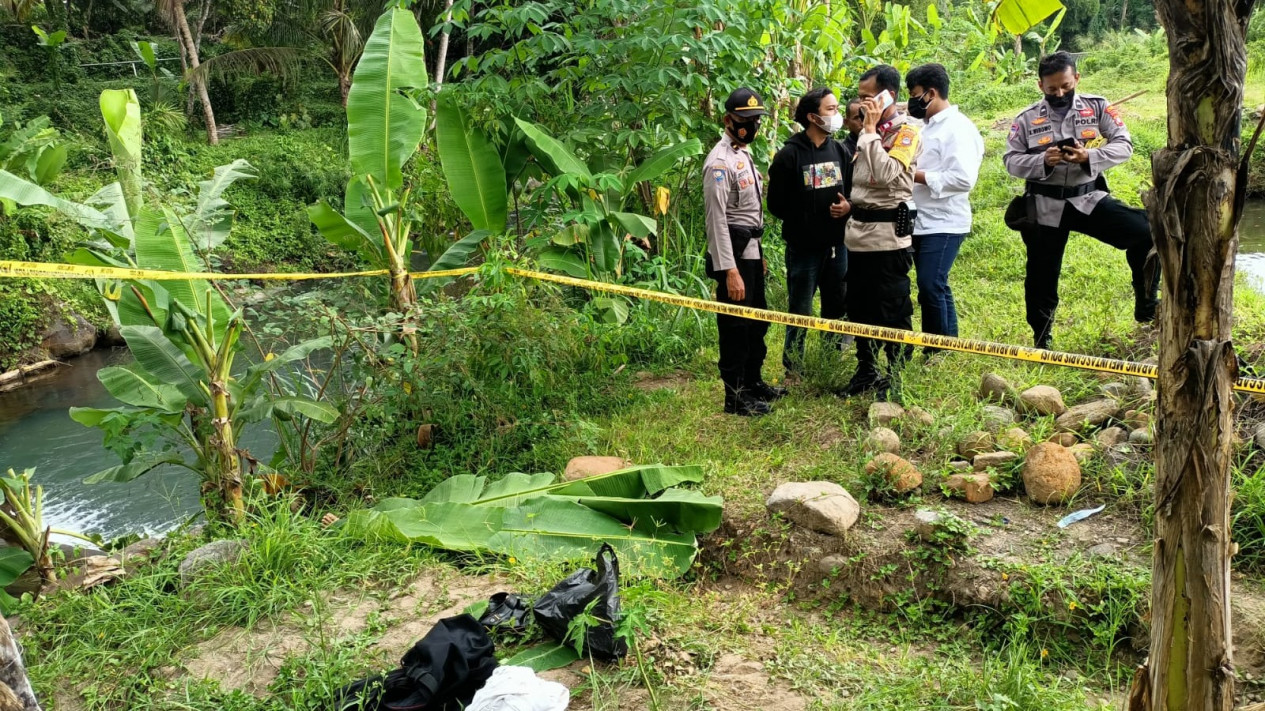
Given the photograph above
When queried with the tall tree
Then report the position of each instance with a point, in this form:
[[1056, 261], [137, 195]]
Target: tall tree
[[1194, 210], [174, 12]]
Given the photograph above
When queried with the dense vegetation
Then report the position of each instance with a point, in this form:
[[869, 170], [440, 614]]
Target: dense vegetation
[[508, 375]]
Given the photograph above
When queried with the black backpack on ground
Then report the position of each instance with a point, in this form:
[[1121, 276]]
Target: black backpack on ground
[[441, 672]]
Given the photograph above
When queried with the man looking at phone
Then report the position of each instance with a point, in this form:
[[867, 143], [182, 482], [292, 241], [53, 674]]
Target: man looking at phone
[[1061, 145], [807, 188], [879, 231]]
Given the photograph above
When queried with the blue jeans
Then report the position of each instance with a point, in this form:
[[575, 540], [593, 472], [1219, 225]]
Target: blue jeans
[[933, 258], [808, 270]]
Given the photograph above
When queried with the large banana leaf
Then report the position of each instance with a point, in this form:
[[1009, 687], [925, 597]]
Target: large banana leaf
[[24, 192], [660, 162], [142, 463], [213, 217], [557, 158], [532, 515], [384, 127], [458, 253], [603, 246], [340, 231], [476, 177], [122, 114], [634, 224], [134, 386], [1019, 16], [162, 243], [164, 362]]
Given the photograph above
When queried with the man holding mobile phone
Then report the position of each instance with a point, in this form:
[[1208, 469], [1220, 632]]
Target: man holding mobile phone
[[879, 232], [1060, 146]]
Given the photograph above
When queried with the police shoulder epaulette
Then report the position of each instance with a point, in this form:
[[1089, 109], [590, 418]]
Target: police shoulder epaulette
[[1033, 107]]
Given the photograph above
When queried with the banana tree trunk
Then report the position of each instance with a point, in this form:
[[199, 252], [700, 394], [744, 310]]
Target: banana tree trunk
[[196, 82], [225, 466], [15, 688], [1194, 212]]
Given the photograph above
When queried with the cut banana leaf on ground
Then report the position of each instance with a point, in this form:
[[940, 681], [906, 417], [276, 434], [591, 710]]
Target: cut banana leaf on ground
[[543, 657], [531, 517]]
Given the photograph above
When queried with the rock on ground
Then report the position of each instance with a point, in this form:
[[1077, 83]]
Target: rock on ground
[[1137, 419], [903, 476], [959, 467], [975, 443], [1111, 436], [996, 388], [975, 488], [881, 439], [921, 416], [993, 459], [1141, 437], [68, 336], [883, 414], [1259, 436], [821, 506], [1067, 439], [1014, 439], [1093, 414], [1083, 451], [1115, 390], [1051, 474], [1043, 400], [208, 557], [581, 467], [998, 418]]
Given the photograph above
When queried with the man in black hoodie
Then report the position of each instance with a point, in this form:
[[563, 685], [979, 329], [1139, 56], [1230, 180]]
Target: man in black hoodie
[[807, 192]]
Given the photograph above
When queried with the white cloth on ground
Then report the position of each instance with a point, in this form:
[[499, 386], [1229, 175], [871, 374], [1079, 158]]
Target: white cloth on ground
[[519, 689]]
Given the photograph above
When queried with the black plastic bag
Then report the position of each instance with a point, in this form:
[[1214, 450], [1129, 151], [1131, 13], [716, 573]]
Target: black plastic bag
[[441, 672], [506, 614], [556, 608]]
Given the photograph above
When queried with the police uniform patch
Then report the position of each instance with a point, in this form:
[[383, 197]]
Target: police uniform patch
[[1044, 140], [1114, 113], [907, 141], [741, 165], [1014, 129], [1089, 133], [1087, 112], [1039, 121], [718, 174], [905, 145]]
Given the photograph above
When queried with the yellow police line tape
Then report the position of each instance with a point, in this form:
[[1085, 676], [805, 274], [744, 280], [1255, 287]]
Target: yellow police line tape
[[913, 338], [43, 270]]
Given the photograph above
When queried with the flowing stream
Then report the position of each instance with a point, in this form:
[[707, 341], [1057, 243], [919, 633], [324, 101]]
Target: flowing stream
[[36, 431]]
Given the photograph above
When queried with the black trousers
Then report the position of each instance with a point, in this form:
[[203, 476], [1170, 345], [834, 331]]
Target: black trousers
[[878, 295], [1111, 222], [742, 348]]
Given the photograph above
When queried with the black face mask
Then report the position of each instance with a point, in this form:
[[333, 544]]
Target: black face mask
[[918, 106], [1060, 102], [744, 131]]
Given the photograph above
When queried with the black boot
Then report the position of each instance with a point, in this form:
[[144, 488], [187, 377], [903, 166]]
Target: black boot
[[863, 381], [739, 401], [1146, 300], [763, 391]]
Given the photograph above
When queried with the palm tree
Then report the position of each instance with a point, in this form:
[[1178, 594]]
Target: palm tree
[[173, 11]]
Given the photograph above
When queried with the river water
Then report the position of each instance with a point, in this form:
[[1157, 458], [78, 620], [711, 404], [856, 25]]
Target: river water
[[36, 431]]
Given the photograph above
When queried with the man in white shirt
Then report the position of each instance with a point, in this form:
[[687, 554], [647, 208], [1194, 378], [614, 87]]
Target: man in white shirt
[[952, 151]]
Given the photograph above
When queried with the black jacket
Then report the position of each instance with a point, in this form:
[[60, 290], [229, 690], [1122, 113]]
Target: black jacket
[[804, 180]]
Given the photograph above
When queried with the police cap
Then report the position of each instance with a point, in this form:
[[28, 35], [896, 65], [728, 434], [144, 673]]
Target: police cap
[[745, 102]]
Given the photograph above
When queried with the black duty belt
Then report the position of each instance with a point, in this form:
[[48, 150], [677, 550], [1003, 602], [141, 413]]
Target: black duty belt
[[745, 233], [1059, 192], [861, 214]]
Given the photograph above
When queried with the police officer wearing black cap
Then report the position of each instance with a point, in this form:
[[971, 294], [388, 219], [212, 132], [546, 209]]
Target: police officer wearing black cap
[[735, 224]]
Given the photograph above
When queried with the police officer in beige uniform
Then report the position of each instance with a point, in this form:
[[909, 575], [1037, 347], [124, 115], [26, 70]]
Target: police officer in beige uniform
[[879, 235], [735, 225], [1061, 145]]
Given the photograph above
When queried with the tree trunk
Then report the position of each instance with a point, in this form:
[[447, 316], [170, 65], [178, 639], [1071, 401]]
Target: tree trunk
[[196, 83], [1194, 211], [1124, 12], [441, 58], [344, 85], [225, 465], [202, 15], [15, 690]]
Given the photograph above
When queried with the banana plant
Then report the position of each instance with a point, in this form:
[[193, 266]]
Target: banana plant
[[182, 394], [598, 231], [385, 125]]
